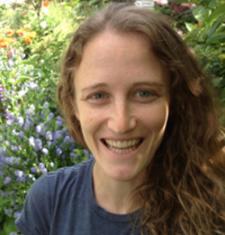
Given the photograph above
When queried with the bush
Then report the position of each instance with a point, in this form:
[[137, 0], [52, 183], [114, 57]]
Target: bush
[[202, 25], [33, 136], [207, 37]]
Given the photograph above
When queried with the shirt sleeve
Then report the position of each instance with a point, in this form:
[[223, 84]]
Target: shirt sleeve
[[36, 214]]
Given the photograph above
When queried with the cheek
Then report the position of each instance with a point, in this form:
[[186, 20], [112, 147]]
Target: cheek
[[157, 117], [89, 121]]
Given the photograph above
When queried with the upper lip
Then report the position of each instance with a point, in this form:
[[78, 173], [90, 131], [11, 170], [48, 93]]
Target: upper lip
[[121, 139]]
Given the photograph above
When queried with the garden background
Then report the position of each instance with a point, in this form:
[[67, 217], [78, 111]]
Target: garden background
[[33, 38]]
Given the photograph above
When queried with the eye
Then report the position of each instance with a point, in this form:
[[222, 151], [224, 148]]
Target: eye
[[145, 95], [97, 97]]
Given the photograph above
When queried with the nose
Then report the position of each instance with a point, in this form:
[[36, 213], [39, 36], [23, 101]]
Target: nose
[[121, 119]]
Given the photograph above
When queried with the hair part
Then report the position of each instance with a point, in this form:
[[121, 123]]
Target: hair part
[[184, 192]]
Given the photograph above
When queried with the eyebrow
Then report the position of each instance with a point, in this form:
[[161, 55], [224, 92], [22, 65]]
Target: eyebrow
[[102, 85]]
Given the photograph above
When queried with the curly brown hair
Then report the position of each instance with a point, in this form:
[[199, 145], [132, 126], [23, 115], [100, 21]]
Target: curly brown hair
[[184, 192]]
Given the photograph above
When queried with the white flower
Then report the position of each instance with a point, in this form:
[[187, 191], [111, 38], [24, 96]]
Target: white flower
[[43, 24], [32, 141], [45, 151], [20, 121]]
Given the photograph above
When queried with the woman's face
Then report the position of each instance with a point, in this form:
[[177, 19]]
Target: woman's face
[[122, 103]]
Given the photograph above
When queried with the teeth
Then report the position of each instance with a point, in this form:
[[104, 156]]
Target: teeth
[[122, 144]]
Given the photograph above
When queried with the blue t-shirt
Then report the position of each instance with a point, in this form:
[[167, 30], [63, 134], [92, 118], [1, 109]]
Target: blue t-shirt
[[63, 203]]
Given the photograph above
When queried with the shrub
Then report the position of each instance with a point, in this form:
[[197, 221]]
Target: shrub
[[33, 135]]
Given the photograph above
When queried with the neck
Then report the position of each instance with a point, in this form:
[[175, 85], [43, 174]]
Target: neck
[[115, 196]]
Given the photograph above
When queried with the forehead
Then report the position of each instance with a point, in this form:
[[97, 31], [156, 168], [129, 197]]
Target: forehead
[[111, 42], [112, 55]]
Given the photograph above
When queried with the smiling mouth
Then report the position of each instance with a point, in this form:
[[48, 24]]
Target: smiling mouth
[[122, 146]]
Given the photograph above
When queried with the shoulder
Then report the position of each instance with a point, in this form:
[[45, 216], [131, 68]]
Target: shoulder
[[51, 191], [58, 180]]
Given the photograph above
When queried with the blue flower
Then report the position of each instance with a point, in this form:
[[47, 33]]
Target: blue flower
[[49, 135], [20, 176], [11, 160], [57, 134], [15, 148], [17, 215], [40, 129], [59, 121], [33, 170], [19, 173], [21, 134], [68, 140], [45, 105], [41, 165], [50, 116], [28, 124], [38, 144], [7, 180], [44, 171], [73, 155], [58, 151], [35, 143], [10, 118], [42, 168]]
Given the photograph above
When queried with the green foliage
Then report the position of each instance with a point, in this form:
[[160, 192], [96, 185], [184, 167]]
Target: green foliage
[[202, 24], [207, 37], [33, 136]]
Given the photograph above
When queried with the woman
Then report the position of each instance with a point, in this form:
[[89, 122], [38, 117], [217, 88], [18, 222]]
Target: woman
[[133, 94]]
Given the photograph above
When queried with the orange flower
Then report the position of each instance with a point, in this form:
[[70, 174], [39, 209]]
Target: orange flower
[[3, 43], [10, 33], [20, 32], [45, 3], [27, 40]]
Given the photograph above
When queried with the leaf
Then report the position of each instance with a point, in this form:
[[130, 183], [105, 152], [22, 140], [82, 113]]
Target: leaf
[[201, 13], [219, 11], [216, 38], [215, 25], [190, 27]]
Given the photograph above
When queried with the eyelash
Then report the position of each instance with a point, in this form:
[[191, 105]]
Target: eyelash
[[149, 93], [101, 97], [95, 96]]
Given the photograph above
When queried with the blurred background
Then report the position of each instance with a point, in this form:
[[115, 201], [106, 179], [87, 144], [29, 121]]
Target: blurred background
[[33, 37]]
